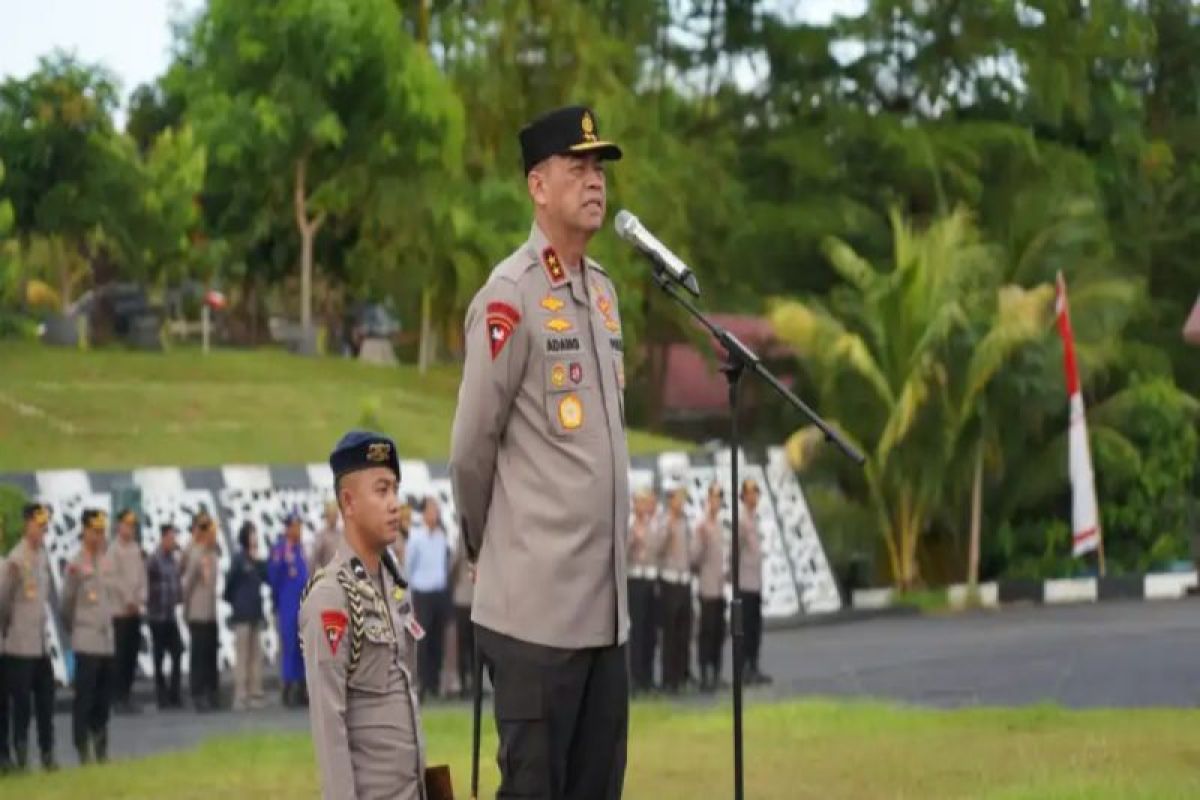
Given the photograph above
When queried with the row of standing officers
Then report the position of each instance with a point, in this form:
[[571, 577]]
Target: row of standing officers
[[671, 561], [107, 590]]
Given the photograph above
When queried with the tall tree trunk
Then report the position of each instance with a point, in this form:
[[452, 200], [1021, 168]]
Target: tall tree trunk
[[425, 348], [308, 233], [976, 520]]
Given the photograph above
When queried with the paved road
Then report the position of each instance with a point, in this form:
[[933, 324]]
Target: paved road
[[1097, 655], [1112, 654]]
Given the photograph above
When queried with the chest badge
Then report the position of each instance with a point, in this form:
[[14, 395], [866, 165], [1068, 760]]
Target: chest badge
[[570, 412]]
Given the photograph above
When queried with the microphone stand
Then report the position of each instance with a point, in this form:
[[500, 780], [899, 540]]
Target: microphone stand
[[739, 358]]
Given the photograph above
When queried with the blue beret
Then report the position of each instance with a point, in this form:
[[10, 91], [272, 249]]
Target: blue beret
[[363, 450]]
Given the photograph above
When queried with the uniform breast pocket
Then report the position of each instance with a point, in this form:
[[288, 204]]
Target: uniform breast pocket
[[570, 397], [375, 657]]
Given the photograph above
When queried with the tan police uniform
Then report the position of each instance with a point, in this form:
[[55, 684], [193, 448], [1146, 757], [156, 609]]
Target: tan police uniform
[[359, 656], [199, 581], [711, 571], [91, 595], [750, 586], [130, 568], [540, 472], [643, 602], [676, 549], [5, 724], [24, 595], [463, 594], [539, 459]]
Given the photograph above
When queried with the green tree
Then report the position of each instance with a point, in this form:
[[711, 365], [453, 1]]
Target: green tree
[[71, 177], [312, 104], [902, 357]]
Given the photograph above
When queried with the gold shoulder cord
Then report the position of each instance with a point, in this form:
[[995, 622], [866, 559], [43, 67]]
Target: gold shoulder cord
[[357, 617]]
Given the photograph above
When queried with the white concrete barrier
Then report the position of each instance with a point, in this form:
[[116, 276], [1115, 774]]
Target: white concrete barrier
[[1168, 585], [872, 599], [1070, 590], [987, 595]]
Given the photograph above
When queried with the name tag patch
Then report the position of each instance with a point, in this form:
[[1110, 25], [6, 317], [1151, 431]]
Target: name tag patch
[[563, 344]]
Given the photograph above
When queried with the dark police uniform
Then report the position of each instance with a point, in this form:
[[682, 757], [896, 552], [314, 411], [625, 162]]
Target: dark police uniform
[[540, 472]]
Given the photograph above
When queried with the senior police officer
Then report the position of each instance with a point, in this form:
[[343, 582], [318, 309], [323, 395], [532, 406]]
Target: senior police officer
[[24, 589], [540, 472], [359, 638], [90, 598]]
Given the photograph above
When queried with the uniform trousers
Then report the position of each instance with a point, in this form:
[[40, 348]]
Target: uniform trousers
[[127, 638], [247, 663], [433, 613], [94, 682], [562, 716], [464, 631], [5, 722], [165, 635], [643, 631], [752, 616], [202, 663], [712, 632], [31, 679], [676, 604]]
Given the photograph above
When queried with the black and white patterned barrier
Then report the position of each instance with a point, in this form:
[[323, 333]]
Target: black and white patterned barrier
[[796, 575]]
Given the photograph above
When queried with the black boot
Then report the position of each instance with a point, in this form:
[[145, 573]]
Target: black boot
[[48, 762], [83, 750], [21, 751], [100, 740]]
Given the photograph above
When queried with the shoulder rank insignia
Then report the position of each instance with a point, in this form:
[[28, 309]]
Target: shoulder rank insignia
[[554, 267], [502, 320]]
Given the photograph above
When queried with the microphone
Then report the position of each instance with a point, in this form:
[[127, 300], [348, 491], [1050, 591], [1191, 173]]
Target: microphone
[[631, 230]]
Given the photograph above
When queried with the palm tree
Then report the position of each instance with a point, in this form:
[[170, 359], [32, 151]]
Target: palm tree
[[903, 357]]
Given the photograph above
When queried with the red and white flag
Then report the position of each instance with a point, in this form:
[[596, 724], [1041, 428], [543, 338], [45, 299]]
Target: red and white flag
[[1085, 519]]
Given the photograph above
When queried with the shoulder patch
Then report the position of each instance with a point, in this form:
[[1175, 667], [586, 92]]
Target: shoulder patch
[[333, 623], [502, 320]]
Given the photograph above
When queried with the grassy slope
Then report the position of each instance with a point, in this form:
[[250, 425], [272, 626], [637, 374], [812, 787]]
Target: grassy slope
[[116, 409], [795, 751]]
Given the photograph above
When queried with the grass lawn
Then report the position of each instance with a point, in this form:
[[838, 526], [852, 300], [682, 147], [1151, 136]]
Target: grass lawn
[[812, 749], [113, 409]]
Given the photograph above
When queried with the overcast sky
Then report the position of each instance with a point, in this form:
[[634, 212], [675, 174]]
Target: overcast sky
[[132, 37]]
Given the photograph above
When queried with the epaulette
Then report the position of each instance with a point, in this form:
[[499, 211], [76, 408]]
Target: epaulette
[[312, 581]]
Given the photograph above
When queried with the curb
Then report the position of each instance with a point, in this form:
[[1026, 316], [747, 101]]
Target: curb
[[843, 617], [1057, 591]]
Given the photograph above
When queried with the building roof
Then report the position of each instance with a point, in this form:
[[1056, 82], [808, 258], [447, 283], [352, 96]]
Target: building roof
[[694, 385]]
